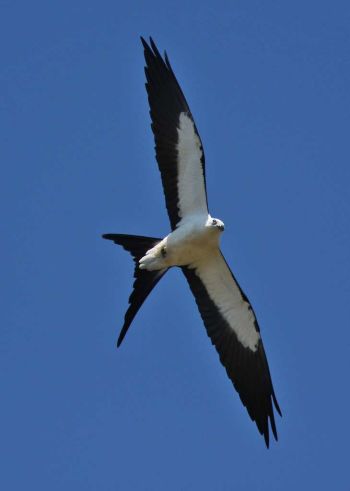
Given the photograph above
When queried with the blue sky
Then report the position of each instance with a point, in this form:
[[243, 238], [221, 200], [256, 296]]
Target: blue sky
[[268, 84]]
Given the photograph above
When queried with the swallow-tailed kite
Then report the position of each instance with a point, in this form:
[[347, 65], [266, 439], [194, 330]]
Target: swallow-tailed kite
[[193, 245]]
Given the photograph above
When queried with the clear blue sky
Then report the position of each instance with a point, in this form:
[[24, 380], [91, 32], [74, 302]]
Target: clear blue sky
[[268, 84]]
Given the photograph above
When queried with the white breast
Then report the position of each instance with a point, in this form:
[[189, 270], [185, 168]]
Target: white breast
[[191, 240]]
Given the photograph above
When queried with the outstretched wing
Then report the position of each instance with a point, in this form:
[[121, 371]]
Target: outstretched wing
[[179, 150], [232, 327]]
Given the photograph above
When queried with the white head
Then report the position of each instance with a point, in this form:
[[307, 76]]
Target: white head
[[215, 224]]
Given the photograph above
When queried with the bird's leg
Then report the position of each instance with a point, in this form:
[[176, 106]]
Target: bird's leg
[[155, 258]]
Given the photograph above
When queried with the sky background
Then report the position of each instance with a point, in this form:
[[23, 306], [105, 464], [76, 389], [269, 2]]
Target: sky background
[[268, 84]]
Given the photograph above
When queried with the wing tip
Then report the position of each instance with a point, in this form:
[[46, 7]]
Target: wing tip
[[151, 49], [277, 407], [150, 45], [271, 420], [264, 429], [144, 42], [267, 439]]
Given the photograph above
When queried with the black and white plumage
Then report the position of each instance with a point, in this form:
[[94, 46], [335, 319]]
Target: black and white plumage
[[193, 245]]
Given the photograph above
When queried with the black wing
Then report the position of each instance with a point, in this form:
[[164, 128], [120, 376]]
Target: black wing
[[232, 327], [179, 150]]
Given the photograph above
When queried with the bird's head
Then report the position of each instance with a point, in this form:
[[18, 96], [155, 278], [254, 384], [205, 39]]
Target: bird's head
[[216, 224]]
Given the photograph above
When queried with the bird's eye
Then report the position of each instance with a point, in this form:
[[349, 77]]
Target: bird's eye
[[214, 222]]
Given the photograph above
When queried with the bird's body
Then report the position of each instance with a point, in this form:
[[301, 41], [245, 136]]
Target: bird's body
[[193, 245], [193, 239]]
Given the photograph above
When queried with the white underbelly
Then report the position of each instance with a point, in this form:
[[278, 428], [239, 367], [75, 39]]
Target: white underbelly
[[187, 250], [183, 246]]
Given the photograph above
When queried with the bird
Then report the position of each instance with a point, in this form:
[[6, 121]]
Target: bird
[[194, 246]]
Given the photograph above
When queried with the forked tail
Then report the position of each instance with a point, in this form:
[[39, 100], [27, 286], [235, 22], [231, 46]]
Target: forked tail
[[145, 280]]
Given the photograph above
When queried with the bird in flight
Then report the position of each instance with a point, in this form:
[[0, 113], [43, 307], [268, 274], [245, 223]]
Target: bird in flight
[[193, 245]]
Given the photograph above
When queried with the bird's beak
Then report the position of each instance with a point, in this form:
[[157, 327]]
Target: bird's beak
[[221, 228]]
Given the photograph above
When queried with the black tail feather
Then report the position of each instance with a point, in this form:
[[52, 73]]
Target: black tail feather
[[145, 280]]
